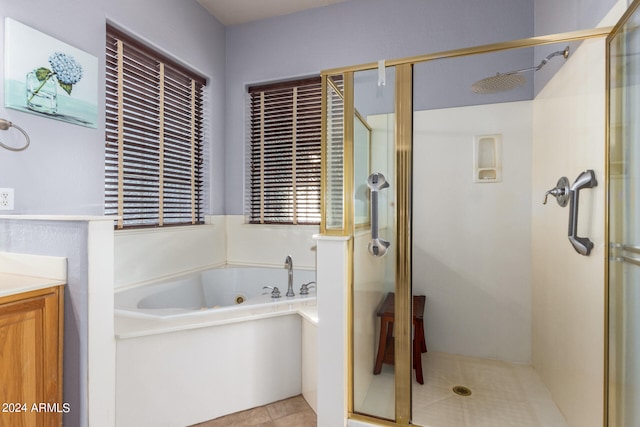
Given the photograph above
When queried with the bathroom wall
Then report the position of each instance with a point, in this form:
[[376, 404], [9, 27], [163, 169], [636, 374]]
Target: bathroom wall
[[352, 32], [270, 244], [553, 17], [364, 31], [86, 310], [568, 288], [62, 172], [472, 241], [145, 255], [356, 31]]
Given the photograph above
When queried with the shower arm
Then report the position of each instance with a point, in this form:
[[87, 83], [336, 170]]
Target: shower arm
[[564, 53]]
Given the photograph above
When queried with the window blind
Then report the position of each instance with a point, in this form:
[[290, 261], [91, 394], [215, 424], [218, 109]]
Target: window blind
[[334, 194], [285, 152], [153, 137]]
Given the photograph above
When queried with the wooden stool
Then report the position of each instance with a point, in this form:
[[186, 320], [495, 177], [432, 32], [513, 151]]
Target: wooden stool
[[386, 312]]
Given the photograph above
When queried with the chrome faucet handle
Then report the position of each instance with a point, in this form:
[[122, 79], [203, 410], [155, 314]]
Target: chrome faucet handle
[[304, 288], [275, 292], [560, 192]]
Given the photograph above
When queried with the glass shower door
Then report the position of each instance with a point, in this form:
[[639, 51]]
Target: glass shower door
[[624, 229], [367, 169], [381, 291], [374, 239]]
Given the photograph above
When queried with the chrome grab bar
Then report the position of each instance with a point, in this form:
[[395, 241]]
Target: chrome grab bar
[[586, 179], [616, 248], [563, 194], [377, 246], [634, 249], [630, 260]]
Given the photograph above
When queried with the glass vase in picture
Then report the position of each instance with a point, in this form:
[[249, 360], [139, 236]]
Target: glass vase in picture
[[42, 96]]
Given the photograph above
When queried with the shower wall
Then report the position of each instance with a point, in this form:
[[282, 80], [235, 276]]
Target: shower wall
[[568, 290], [472, 241]]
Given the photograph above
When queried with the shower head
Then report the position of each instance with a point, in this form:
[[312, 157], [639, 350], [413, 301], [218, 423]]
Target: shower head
[[513, 79], [499, 83]]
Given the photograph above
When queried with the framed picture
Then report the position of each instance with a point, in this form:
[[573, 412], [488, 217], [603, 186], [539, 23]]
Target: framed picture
[[45, 76]]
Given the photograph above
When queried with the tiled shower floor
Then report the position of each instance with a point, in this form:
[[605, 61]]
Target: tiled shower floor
[[502, 394]]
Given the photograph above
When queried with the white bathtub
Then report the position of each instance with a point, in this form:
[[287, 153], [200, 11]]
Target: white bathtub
[[218, 289], [181, 362]]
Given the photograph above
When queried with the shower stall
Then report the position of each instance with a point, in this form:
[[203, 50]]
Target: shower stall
[[434, 177]]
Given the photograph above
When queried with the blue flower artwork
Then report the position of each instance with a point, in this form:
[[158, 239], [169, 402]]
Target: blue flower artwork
[[48, 77]]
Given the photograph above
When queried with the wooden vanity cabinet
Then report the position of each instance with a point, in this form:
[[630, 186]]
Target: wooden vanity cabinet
[[31, 342]]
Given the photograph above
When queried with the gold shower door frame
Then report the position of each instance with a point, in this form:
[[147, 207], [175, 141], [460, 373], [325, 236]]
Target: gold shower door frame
[[403, 165], [621, 253]]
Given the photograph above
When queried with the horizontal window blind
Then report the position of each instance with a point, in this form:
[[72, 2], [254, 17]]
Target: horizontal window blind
[[334, 194], [285, 152], [153, 137]]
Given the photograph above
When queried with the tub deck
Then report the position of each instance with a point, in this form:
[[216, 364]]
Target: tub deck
[[132, 327]]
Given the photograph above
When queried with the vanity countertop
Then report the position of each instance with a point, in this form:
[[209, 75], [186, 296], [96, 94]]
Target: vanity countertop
[[25, 272], [11, 284]]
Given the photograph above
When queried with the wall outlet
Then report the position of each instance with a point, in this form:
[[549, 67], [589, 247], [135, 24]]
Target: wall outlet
[[6, 199]]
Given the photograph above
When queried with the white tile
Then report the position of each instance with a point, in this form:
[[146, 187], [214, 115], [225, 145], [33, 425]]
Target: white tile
[[484, 410], [445, 412], [503, 394]]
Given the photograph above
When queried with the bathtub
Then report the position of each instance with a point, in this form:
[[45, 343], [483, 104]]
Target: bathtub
[[214, 290], [206, 344]]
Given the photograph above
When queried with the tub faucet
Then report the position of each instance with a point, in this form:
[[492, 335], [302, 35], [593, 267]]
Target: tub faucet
[[275, 292], [304, 289], [288, 263]]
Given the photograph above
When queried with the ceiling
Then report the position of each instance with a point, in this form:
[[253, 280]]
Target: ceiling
[[232, 12]]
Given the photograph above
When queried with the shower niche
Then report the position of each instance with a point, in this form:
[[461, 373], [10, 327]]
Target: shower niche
[[487, 158]]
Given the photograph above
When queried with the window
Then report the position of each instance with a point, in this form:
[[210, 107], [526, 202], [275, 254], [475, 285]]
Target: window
[[285, 152], [154, 137]]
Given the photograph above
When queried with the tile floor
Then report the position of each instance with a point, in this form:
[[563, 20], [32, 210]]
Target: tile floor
[[502, 394], [292, 412]]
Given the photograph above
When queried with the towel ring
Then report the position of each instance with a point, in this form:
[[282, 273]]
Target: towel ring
[[5, 125]]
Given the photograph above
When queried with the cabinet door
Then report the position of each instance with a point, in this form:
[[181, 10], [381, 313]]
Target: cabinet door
[[21, 361], [29, 362]]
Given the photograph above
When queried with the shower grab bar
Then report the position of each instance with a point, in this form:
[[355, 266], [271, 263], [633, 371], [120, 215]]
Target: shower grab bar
[[377, 246], [628, 248], [629, 260], [619, 247], [586, 179]]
